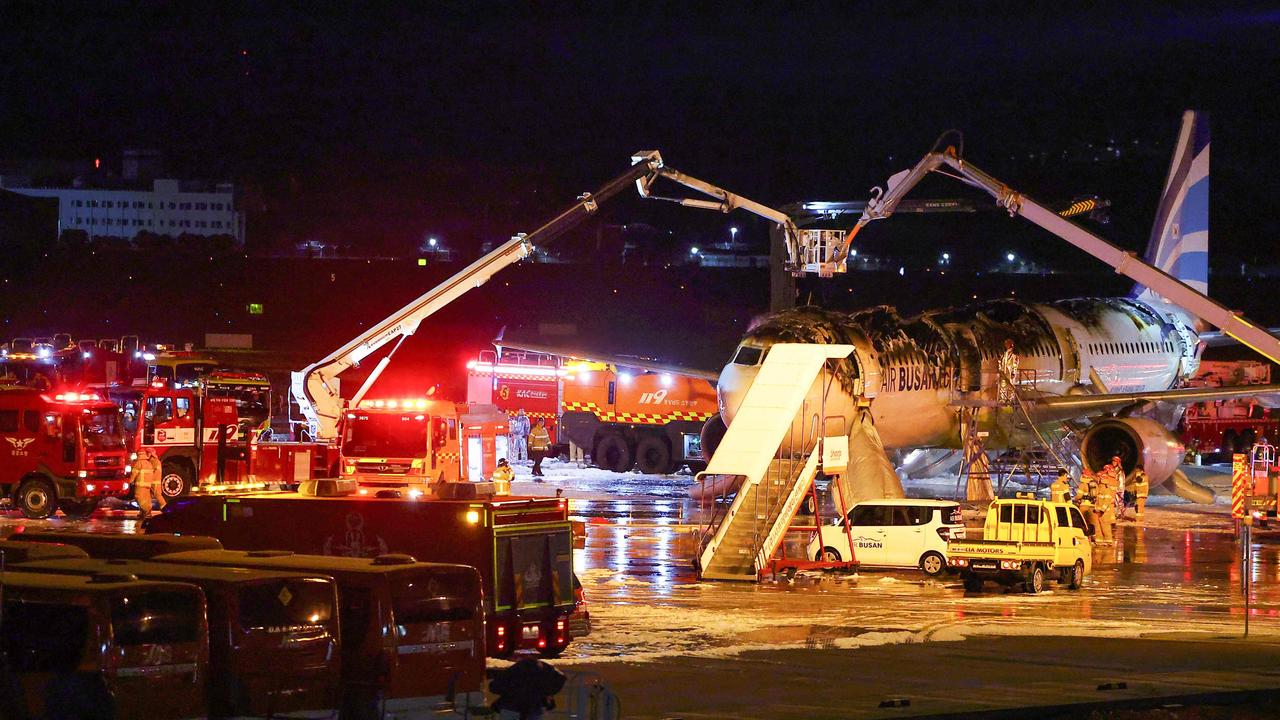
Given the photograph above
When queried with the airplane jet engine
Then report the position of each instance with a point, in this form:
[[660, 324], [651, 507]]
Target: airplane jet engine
[[1141, 440]]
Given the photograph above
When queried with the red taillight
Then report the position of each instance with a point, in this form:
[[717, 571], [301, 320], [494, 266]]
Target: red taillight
[[944, 532], [542, 642], [501, 631], [560, 626]]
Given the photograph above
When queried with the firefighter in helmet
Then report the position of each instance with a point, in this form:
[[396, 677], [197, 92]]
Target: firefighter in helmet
[[1141, 487], [1060, 487], [147, 472], [502, 477]]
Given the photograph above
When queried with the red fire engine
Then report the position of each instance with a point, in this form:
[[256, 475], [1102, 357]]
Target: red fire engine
[[203, 444], [60, 451], [1224, 427], [415, 443]]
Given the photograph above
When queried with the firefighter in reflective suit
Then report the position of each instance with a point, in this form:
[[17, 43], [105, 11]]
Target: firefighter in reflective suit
[[147, 471]]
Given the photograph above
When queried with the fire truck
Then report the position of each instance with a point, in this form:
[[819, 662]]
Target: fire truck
[[205, 444], [251, 391], [1223, 427], [416, 443], [317, 387], [624, 417], [60, 450]]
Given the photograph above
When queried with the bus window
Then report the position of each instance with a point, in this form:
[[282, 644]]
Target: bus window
[[415, 602], [44, 637], [286, 603], [156, 618]]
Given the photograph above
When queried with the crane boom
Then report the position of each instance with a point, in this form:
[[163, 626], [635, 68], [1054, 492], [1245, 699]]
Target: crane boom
[[316, 388], [1124, 262]]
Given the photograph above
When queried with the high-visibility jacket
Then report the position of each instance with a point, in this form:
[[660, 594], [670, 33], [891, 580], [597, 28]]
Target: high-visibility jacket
[[147, 471], [539, 438], [503, 473]]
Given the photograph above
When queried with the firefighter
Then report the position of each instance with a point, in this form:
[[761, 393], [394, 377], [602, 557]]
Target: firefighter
[[147, 471], [1105, 511], [1141, 488], [1008, 373], [520, 436], [1060, 487], [1084, 499], [502, 477], [539, 444]]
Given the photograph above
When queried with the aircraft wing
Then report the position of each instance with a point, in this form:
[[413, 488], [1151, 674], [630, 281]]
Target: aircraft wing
[[1067, 406], [619, 360]]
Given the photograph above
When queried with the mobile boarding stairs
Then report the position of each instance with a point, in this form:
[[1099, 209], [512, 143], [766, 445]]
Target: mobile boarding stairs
[[772, 466]]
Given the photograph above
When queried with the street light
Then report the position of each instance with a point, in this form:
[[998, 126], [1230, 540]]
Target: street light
[[693, 251], [733, 234], [431, 241], [1010, 257]]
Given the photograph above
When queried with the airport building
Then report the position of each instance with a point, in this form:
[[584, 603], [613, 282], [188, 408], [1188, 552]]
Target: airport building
[[137, 202]]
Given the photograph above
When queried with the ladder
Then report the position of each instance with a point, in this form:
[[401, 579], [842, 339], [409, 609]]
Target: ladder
[[776, 469]]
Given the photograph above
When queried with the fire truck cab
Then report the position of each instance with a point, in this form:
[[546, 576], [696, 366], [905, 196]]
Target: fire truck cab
[[60, 451], [417, 443]]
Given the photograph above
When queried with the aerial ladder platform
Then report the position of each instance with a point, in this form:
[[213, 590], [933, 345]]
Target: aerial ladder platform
[[775, 468]]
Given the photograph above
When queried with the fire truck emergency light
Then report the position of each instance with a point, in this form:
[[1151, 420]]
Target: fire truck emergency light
[[504, 369], [76, 397]]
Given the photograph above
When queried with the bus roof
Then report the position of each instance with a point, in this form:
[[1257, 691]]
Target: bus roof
[[326, 564], [16, 551], [85, 583], [120, 545], [170, 572]]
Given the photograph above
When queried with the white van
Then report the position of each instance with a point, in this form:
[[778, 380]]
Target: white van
[[893, 533]]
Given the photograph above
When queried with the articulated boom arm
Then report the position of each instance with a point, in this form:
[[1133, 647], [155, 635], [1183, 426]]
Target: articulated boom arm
[[1126, 263], [807, 250], [315, 388]]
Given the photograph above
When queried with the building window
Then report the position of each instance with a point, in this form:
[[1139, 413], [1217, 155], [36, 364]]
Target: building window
[[79, 221], [173, 206], [202, 206]]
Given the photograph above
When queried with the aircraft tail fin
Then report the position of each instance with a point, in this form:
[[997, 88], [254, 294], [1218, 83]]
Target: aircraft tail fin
[[1179, 243]]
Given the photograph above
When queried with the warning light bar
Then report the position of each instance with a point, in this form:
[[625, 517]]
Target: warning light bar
[[484, 368], [76, 397], [407, 404]]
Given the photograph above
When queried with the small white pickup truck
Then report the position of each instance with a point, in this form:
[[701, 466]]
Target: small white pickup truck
[[1026, 542]]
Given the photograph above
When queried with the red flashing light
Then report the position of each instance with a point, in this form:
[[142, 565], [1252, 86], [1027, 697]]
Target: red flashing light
[[71, 397], [542, 643]]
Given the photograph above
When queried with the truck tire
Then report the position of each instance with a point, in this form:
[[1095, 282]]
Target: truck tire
[[1076, 578], [36, 498], [973, 584], [176, 478], [653, 457], [613, 453], [933, 564], [78, 509], [1035, 581]]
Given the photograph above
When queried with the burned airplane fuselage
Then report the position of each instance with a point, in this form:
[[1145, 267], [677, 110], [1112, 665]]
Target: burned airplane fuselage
[[918, 373]]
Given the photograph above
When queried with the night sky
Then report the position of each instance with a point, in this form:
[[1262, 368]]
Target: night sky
[[331, 106]]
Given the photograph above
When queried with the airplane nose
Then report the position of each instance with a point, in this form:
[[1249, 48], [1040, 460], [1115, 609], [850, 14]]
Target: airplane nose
[[732, 388]]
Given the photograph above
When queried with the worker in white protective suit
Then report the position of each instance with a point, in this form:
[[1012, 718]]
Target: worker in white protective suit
[[519, 436]]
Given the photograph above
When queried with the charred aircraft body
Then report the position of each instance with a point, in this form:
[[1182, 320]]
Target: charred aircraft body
[[1113, 368]]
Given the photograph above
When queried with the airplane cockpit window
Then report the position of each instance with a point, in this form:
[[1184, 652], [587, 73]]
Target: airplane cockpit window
[[748, 355]]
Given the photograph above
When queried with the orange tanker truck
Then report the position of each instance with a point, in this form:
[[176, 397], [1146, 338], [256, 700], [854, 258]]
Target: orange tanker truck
[[622, 417]]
